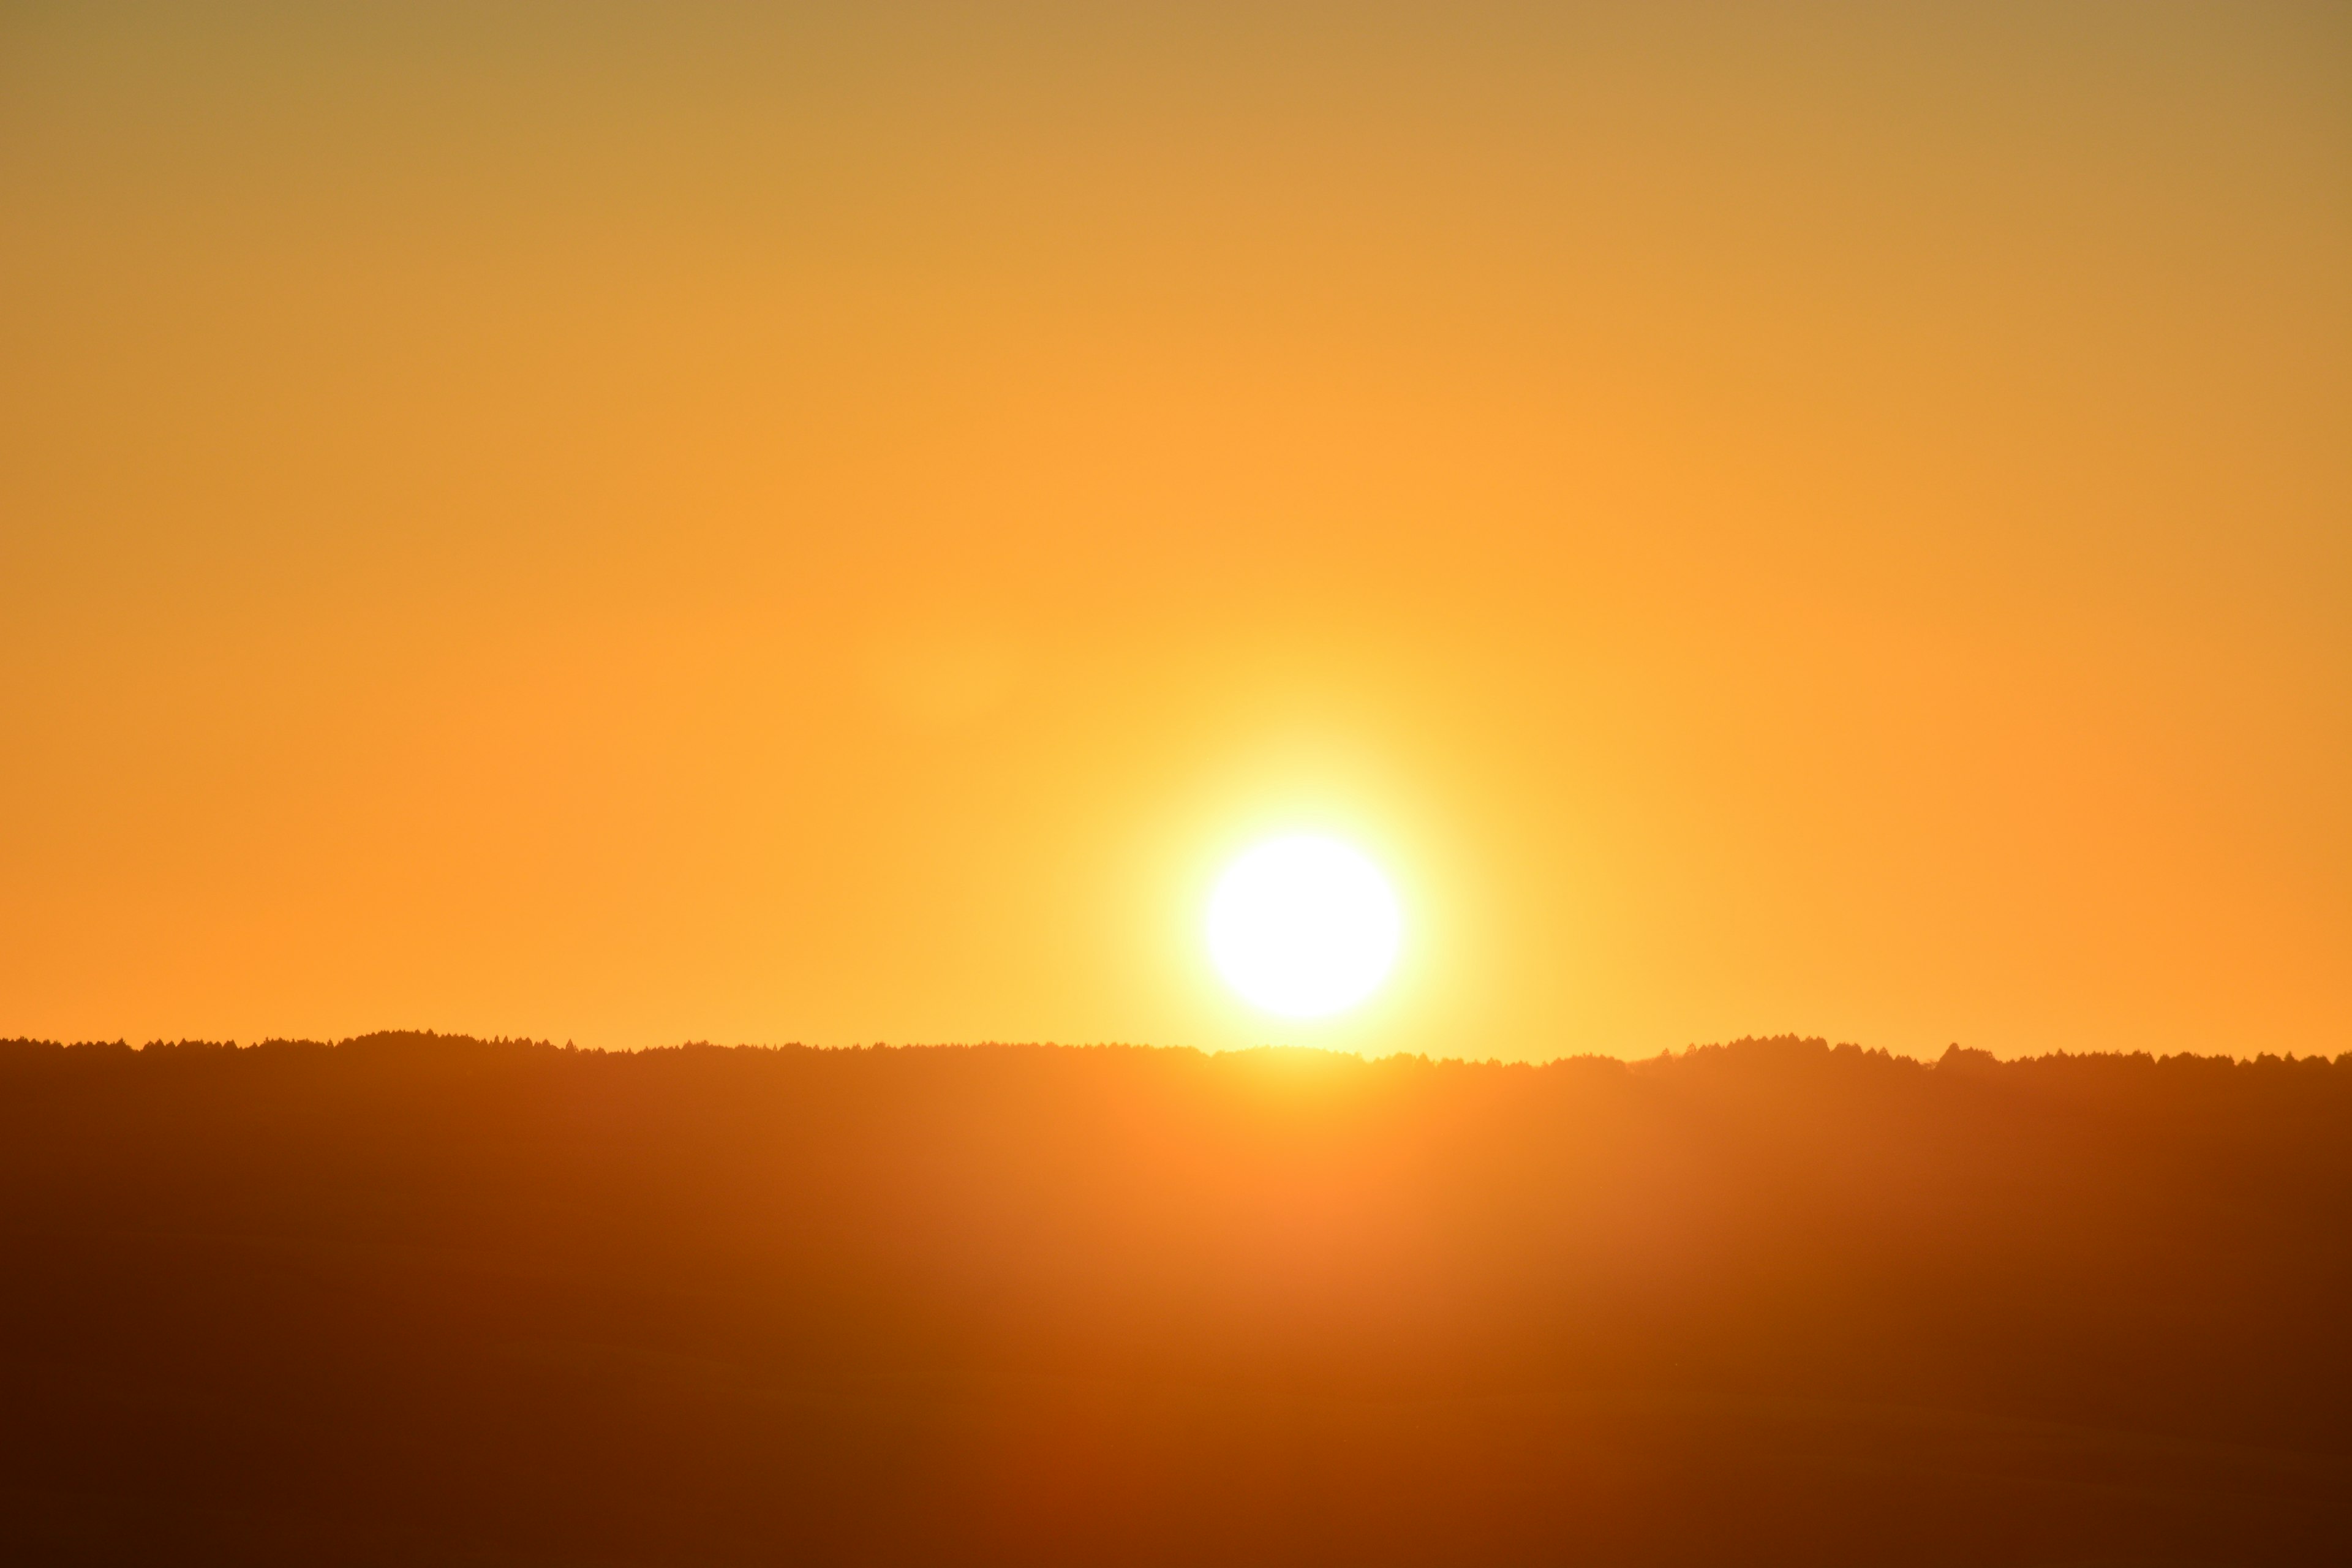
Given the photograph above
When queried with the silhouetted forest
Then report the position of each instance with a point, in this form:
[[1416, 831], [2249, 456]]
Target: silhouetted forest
[[423, 1299]]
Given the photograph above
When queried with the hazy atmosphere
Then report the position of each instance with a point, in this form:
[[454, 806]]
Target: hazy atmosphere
[[831, 523], [1045, 785]]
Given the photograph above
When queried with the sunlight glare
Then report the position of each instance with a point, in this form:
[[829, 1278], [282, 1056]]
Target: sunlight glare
[[1304, 926]]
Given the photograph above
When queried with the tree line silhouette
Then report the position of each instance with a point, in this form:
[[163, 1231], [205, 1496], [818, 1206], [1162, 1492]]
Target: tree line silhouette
[[421, 1296]]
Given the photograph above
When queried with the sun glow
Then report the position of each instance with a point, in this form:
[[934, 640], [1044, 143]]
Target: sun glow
[[1304, 926]]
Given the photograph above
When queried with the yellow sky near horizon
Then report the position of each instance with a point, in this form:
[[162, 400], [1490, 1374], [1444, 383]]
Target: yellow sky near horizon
[[635, 523]]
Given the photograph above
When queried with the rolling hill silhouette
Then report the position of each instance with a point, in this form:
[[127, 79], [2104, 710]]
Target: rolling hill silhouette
[[421, 1298]]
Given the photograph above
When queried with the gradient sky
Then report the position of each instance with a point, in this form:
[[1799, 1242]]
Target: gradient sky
[[632, 523]]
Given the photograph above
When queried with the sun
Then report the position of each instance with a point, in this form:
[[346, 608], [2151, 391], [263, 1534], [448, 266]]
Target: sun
[[1304, 926]]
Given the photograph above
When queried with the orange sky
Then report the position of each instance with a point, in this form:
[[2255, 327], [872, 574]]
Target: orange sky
[[638, 523]]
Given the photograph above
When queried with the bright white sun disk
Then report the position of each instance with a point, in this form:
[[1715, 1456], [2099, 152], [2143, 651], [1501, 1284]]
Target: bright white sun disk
[[1304, 926]]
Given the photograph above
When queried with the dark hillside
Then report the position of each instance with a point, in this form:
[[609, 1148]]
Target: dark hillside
[[415, 1297]]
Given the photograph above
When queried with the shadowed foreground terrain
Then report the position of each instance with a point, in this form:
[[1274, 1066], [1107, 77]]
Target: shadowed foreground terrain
[[417, 1298]]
